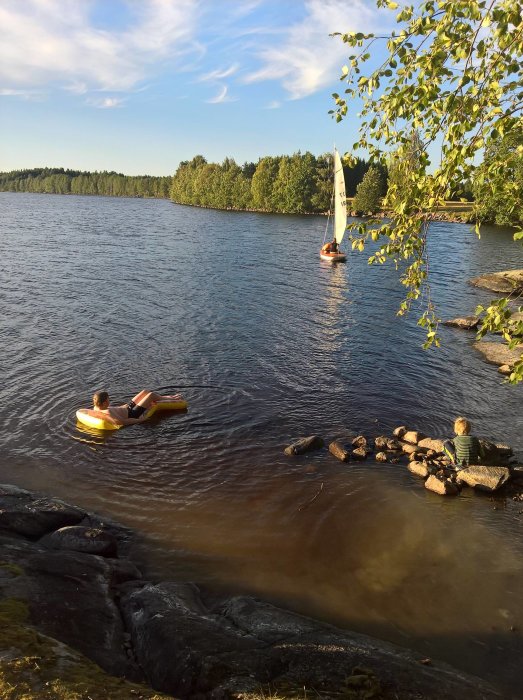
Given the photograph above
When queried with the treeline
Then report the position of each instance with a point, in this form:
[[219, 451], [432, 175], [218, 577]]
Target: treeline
[[60, 181], [301, 183]]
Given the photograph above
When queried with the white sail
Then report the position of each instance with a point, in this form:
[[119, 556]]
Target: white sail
[[340, 200]]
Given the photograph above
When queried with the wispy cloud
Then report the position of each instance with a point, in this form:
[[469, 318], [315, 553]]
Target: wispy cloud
[[273, 105], [56, 41], [220, 74], [105, 102], [221, 97], [306, 58]]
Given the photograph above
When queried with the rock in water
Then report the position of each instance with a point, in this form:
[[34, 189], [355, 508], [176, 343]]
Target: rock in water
[[339, 450], [305, 444], [413, 436], [381, 457], [431, 444], [484, 478], [400, 431], [443, 487], [469, 323], [360, 441], [418, 468], [359, 453], [504, 282]]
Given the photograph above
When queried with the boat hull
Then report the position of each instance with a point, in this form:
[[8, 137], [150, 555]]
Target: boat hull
[[333, 257]]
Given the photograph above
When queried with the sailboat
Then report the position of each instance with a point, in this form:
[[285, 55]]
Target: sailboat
[[331, 251]]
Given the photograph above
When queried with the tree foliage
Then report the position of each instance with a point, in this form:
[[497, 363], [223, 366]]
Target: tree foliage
[[60, 181], [369, 193], [453, 72]]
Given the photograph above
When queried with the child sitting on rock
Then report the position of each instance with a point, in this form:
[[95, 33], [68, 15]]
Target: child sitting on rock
[[464, 449]]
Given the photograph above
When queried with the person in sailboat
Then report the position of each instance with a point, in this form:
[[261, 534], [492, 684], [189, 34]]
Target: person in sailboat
[[330, 247]]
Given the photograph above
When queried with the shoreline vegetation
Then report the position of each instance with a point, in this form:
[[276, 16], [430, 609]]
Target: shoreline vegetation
[[298, 184]]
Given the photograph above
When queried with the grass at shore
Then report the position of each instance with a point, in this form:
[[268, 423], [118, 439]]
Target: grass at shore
[[36, 667]]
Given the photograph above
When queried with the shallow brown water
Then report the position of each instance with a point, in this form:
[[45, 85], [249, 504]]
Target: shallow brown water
[[124, 294]]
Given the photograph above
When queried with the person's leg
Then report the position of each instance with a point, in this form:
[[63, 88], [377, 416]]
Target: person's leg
[[450, 451], [146, 398]]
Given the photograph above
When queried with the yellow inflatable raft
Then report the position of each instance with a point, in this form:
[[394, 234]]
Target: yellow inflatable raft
[[93, 418]]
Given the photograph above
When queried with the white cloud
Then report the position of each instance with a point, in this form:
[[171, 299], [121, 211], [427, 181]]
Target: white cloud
[[55, 41], [273, 105], [307, 58], [105, 102], [221, 97]]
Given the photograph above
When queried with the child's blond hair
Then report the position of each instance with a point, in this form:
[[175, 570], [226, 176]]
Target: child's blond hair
[[99, 398], [461, 426]]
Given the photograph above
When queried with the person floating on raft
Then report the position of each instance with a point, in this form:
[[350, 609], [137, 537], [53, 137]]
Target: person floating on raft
[[135, 410]]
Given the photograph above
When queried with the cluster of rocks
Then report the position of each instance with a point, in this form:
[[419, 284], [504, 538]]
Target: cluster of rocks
[[494, 352], [425, 457], [69, 568]]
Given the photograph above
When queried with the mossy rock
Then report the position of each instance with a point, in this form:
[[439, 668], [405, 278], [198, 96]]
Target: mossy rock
[[36, 667]]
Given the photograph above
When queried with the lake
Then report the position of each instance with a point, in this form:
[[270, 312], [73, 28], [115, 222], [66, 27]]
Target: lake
[[267, 343]]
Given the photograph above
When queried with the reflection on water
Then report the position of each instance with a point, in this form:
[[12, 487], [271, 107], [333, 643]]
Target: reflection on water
[[108, 293]]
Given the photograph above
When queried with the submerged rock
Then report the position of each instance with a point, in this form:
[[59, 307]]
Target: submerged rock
[[484, 478], [305, 444]]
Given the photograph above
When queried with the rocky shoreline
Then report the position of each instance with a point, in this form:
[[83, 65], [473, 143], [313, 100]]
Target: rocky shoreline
[[67, 586]]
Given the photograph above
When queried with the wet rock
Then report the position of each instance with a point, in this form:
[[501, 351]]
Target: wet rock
[[495, 454], [380, 443], [305, 444], [466, 322], [498, 353], [381, 457], [504, 282], [412, 436], [393, 444], [359, 441], [408, 448], [35, 517], [82, 539], [441, 486], [400, 431], [431, 444], [484, 478], [505, 369], [339, 450], [419, 468], [359, 453]]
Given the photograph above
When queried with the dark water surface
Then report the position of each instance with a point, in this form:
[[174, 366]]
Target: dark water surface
[[267, 343]]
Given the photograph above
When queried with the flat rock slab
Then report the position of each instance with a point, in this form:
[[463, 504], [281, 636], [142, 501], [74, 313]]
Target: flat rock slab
[[498, 353], [484, 478], [305, 444], [504, 282], [82, 539]]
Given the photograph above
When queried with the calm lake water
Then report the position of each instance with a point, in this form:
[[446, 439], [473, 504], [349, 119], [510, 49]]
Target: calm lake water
[[267, 343]]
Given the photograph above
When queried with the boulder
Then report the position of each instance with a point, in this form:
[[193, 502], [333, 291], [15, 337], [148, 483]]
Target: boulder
[[505, 282], [400, 431], [412, 436], [393, 444], [305, 444], [419, 468], [408, 448], [498, 353], [359, 441], [495, 454], [339, 450], [466, 322], [381, 457], [484, 478], [35, 517], [380, 443], [359, 453], [431, 444], [441, 486], [82, 539]]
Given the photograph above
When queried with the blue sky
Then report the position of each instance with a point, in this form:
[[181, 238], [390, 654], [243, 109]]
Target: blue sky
[[139, 85]]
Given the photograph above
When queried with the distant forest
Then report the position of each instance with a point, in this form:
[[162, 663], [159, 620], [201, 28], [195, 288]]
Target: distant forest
[[301, 183], [60, 181]]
